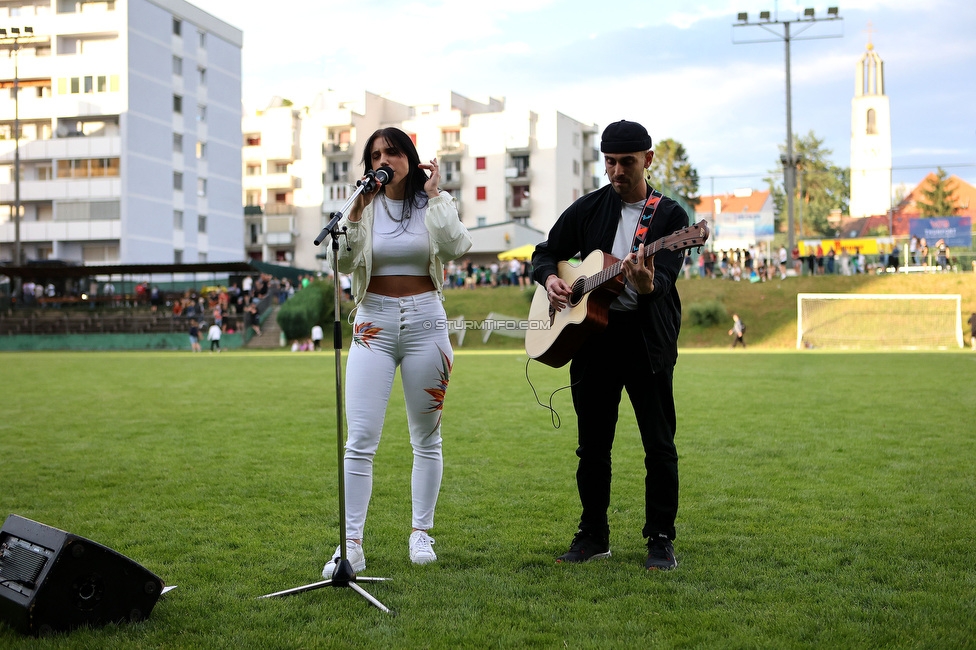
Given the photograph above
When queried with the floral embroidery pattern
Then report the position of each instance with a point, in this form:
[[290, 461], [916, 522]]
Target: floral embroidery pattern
[[439, 390], [363, 333]]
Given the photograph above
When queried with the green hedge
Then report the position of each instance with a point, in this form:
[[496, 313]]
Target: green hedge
[[312, 305], [708, 313]]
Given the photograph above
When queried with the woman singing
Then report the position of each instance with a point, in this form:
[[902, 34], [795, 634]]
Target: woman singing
[[400, 236]]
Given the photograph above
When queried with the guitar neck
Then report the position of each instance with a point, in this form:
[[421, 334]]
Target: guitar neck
[[611, 272]]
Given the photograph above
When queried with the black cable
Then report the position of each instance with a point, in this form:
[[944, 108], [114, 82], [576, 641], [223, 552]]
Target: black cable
[[554, 415]]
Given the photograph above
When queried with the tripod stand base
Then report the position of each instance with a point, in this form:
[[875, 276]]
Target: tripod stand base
[[344, 576]]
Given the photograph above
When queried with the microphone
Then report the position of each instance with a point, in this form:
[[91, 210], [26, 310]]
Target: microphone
[[383, 175]]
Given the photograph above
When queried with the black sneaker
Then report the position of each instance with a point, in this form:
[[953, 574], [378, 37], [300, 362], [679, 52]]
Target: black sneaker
[[660, 554], [585, 548]]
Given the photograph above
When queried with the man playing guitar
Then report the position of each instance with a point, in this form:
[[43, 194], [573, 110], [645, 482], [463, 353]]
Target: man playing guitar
[[638, 348]]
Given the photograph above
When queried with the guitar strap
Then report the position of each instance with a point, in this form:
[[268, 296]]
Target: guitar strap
[[644, 223]]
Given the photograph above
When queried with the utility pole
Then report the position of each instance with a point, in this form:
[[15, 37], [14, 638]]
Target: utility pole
[[767, 23], [11, 38]]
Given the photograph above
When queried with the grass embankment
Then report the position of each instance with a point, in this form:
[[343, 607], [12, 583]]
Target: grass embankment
[[767, 308]]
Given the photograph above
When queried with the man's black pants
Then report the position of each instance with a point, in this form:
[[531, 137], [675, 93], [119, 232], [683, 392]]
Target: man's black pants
[[609, 362]]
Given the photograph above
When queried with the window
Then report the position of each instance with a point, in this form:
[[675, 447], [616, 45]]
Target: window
[[872, 122], [178, 142], [201, 187], [201, 113], [89, 85], [201, 150], [202, 76], [480, 163], [102, 86], [178, 181], [452, 170], [177, 256], [253, 170], [482, 221], [202, 224], [177, 27], [177, 66], [75, 85], [177, 104], [281, 168], [481, 193], [202, 39], [576, 168], [521, 164], [201, 257], [177, 219]]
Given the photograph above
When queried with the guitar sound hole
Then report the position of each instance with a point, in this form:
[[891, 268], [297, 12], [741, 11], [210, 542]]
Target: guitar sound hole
[[577, 291]]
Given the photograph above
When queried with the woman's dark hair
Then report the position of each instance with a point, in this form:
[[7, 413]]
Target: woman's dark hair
[[401, 144]]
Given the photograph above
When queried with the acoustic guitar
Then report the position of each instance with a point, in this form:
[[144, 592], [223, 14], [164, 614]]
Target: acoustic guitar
[[553, 337]]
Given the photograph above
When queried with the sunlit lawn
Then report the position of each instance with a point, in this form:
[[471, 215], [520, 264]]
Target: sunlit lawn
[[827, 501]]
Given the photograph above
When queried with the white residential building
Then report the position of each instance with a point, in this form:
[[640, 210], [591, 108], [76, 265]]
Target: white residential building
[[130, 119], [511, 172]]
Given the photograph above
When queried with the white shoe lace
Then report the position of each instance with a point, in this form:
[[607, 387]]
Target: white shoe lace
[[421, 544]]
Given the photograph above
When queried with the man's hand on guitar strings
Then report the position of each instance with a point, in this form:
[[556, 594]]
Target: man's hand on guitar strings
[[639, 271], [558, 291]]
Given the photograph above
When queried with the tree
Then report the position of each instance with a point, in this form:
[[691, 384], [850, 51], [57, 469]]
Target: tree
[[939, 199], [671, 169], [821, 187]]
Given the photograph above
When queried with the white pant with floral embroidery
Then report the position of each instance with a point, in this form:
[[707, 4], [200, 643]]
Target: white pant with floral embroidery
[[411, 333]]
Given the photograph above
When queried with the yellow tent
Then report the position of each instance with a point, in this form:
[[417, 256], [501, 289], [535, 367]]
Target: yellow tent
[[520, 253]]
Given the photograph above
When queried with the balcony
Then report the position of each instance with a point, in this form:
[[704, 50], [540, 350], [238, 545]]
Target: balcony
[[338, 150], [280, 181], [516, 175], [451, 181], [451, 150], [277, 209], [590, 183], [590, 154], [523, 209]]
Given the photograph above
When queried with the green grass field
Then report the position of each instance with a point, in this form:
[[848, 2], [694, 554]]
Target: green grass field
[[827, 501]]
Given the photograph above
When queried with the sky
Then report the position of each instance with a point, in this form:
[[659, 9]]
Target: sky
[[678, 67]]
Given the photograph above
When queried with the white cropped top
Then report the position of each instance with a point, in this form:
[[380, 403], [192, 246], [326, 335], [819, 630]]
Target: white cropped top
[[400, 246]]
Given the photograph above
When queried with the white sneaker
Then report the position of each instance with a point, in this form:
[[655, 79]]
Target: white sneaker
[[420, 547], [354, 553]]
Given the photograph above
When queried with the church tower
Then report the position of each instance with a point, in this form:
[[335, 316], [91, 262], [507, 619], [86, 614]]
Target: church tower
[[870, 139]]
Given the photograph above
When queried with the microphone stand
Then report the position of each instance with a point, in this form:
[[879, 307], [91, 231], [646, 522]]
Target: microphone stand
[[344, 575]]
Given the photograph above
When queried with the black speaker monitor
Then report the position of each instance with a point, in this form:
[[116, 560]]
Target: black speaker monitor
[[53, 581]]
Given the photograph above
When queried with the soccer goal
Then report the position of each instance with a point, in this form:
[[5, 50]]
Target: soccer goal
[[878, 321]]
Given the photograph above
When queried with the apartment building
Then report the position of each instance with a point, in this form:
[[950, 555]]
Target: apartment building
[[130, 132], [512, 172]]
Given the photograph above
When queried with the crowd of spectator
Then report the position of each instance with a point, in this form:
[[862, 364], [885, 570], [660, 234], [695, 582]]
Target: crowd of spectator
[[464, 274], [755, 264]]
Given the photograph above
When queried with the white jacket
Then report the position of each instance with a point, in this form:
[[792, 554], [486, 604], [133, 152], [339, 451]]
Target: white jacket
[[449, 240]]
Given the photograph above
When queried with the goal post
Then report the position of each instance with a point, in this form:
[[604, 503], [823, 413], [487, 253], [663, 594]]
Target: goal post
[[878, 321]]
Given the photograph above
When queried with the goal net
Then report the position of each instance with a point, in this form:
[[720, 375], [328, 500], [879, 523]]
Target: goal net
[[878, 321]]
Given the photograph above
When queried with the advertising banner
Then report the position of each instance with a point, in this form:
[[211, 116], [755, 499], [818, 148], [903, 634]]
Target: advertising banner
[[743, 228], [956, 231], [866, 245]]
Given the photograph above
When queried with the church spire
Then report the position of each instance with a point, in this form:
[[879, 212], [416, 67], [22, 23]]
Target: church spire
[[869, 75]]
